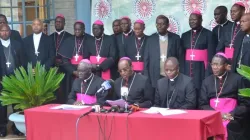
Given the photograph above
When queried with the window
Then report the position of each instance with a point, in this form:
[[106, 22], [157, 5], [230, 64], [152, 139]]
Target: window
[[20, 13]]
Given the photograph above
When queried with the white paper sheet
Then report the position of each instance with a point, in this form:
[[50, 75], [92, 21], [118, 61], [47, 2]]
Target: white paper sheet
[[163, 111], [68, 107]]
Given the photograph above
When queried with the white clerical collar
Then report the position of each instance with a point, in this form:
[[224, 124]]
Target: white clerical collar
[[88, 77], [247, 35], [163, 37], [220, 77], [223, 23], [174, 78], [128, 33], [37, 35], [238, 23], [5, 43], [59, 32]]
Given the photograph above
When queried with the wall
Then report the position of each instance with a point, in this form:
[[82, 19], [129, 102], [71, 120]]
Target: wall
[[178, 12], [67, 8]]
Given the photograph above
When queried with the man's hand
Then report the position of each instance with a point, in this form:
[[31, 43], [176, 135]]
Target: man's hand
[[227, 116], [78, 103]]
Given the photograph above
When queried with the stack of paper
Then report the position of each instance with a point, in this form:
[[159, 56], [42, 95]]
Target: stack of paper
[[163, 111], [68, 107]]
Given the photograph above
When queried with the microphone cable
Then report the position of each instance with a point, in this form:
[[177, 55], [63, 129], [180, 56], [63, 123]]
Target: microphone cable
[[113, 117], [100, 127], [78, 119]]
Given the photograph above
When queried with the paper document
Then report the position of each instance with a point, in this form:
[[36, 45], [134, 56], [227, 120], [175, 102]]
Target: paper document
[[119, 102], [68, 107], [163, 111]]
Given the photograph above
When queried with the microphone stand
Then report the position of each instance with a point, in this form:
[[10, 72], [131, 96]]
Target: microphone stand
[[78, 119], [126, 104]]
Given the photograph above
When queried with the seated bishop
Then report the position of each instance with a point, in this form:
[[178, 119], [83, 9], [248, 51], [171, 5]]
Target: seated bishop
[[136, 87], [220, 91], [176, 90], [85, 89]]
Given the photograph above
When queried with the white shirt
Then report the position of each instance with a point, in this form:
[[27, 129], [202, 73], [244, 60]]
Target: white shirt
[[5, 43], [36, 40]]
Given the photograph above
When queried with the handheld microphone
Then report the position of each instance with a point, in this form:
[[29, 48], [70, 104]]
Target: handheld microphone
[[105, 86]]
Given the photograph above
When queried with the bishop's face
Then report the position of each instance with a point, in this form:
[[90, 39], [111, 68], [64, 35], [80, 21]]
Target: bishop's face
[[171, 69], [161, 26], [236, 13], [37, 26], [97, 30], [219, 16], [83, 71], [5, 32], [218, 66], [59, 24], [116, 27], [79, 29], [138, 29], [245, 23], [125, 69], [194, 21], [125, 25]]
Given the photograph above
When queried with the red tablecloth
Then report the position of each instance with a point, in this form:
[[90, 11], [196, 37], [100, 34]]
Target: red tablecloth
[[42, 123]]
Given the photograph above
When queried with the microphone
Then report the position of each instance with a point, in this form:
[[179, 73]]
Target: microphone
[[105, 86], [114, 108], [93, 109]]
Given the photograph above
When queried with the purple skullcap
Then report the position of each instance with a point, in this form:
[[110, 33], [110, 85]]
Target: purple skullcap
[[125, 58]]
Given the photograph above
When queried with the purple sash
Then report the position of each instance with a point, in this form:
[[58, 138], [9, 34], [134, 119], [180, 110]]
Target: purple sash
[[225, 105], [87, 99]]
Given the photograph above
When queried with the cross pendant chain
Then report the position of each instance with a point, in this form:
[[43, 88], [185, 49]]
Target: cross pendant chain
[[192, 55], [216, 102], [163, 57], [36, 53], [8, 64], [76, 57], [138, 56], [98, 58]]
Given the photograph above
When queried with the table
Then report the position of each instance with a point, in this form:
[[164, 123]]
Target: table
[[42, 123]]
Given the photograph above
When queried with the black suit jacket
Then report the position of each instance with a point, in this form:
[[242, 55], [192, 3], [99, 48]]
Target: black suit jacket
[[184, 96], [152, 55], [46, 51], [18, 55], [15, 35]]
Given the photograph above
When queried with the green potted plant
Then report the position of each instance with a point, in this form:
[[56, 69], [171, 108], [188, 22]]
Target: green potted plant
[[245, 72], [27, 88]]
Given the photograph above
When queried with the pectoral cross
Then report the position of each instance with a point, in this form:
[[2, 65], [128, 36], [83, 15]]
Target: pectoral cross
[[231, 45], [192, 55], [216, 102], [163, 57], [138, 56], [98, 58], [8, 64], [76, 57], [36, 53]]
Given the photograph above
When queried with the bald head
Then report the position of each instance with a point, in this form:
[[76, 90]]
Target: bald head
[[37, 26], [4, 26], [245, 23], [173, 61], [84, 69], [125, 68], [171, 67]]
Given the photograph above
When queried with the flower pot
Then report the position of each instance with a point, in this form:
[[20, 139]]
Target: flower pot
[[19, 121]]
